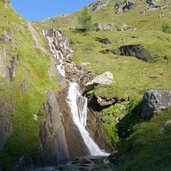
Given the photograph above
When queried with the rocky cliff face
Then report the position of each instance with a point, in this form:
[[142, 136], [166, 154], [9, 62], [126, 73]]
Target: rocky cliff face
[[52, 133]]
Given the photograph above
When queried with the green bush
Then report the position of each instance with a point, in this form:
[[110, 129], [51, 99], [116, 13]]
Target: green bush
[[166, 28]]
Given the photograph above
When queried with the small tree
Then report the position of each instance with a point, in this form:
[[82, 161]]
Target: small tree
[[85, 20]]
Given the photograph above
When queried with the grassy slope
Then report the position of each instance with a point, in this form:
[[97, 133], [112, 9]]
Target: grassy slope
[[33, 68], [147, 148], [132, 77]]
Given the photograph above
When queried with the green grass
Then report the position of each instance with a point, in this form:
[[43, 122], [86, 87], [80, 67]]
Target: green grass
[[132, 77], [148, 149], [32, 67], [166, 28]]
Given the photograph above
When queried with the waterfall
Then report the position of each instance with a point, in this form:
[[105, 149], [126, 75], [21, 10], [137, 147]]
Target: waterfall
[[60, 49], [79, 115]]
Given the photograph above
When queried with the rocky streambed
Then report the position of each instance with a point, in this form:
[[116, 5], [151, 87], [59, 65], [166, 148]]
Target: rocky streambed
[[81, 164]]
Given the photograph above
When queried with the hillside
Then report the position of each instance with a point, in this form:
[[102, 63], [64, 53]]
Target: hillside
[[138, 29], [24, 80], [132, 77], [45, 77]]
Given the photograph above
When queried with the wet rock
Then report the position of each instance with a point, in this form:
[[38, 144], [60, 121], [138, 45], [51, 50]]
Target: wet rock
[[136, 50], [114, 157], [94, 125], [60, 47], [52, 131], [6, 111], [103, 40], [104, 79], [154, 102], [20, 164], [98, 5], [88, 163], [75, 141]]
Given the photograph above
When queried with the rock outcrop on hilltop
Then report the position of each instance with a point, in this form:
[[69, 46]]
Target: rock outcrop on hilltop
[[123, 6], [98, 5]]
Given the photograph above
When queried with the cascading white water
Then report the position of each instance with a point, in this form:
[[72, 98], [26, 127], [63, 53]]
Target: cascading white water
[[77, 103], [79, 114]]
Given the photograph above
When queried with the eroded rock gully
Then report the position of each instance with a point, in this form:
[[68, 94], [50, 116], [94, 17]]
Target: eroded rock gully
[[63, 134]]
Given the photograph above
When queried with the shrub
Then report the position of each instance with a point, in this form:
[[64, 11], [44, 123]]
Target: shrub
[[166, 28]]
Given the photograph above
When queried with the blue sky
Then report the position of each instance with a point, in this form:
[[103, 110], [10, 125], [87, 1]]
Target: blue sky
[[43, 9]]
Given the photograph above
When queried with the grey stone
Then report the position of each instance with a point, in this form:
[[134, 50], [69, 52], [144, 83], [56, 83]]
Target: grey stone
[[136, 50], [104, 79], [123, 6], [154, 102], [98, 5], [8, 71], [152, 4], [8, 38], [52, 130], [104, 27]]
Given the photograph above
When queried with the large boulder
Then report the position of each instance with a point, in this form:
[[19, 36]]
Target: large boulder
[[104, 79], [154, 102], [136, 50]]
